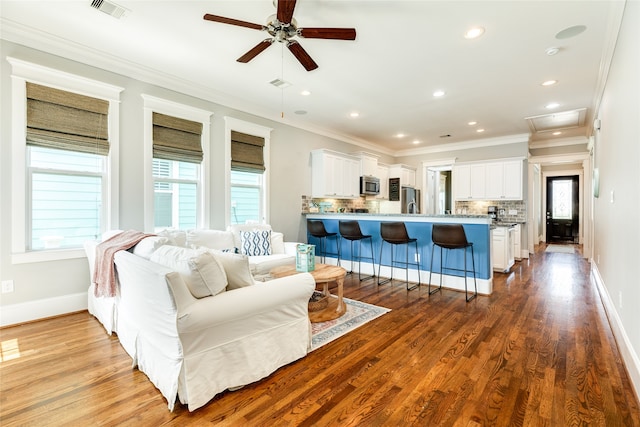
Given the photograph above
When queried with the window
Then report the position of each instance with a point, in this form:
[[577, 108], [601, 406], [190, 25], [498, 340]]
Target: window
[[175, 190], [247, 177], [65, 149], [562, 199], [176, 162], [247, 171], [246, 197], [66, 197]]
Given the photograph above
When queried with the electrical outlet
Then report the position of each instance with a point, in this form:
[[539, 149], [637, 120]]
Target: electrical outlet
[[7, 286], [513, 211]]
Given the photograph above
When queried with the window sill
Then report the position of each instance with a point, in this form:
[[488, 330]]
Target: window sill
[[46, 255]]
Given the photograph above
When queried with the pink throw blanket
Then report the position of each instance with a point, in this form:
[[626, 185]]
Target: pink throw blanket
[[104, 274]]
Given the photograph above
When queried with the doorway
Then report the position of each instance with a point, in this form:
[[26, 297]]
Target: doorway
[[438, 198], [563, 208]]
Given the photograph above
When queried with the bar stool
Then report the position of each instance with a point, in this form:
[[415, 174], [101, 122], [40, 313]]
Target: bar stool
[[350, 230], [395, 233], [452, 236], [317, 230]]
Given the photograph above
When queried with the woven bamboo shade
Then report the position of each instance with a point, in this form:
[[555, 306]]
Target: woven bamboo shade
[[176, 139], [66, 121], [247, 152]]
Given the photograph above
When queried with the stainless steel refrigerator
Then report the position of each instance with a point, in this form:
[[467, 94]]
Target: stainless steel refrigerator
[[410, 200]]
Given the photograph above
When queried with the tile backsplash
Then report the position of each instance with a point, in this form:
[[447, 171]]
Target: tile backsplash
[[348, 204], [479, 207]]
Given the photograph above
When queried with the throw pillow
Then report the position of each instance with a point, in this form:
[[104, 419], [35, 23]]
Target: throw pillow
[[236, 267], [147, 246], [204, 276], [255, 243]]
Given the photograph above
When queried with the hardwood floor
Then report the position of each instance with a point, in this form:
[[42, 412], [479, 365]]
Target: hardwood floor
[[538, 352]]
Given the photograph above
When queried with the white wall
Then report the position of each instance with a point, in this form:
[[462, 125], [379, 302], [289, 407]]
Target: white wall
[[616, 223], [49, 288]]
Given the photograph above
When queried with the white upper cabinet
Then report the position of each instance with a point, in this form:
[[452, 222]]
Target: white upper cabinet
[[368, 165], [461, 182], [383, 174], [406, 174], [498, 180], [334, 175]]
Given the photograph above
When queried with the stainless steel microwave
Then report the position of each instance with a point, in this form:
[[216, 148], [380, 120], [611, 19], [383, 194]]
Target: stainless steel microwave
[[369, 186]]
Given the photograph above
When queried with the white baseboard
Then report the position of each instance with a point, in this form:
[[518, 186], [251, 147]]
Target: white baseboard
[[630, 358], [40, 309]]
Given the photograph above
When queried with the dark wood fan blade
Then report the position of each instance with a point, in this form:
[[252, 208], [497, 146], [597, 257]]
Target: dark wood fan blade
[[285, 10], [255, 51], [232, 21], [328, 33], [302, 56]]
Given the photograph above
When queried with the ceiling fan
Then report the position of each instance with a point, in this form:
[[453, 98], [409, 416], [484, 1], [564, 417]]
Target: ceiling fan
[[283, 27]]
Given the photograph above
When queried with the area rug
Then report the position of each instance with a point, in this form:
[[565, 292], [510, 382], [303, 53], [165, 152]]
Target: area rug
[[560, 249], [358, 313]]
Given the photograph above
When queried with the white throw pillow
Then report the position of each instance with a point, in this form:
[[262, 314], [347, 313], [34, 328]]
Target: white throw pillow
[[147, 246], [212, 239], [176, 237], [200, 270], [236, 267], [255, 243]]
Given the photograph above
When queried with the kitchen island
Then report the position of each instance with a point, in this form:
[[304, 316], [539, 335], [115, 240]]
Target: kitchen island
[[476, 227]]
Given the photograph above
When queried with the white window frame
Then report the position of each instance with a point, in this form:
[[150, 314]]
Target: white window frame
[[233, 124], [21, 73], [153, 104]]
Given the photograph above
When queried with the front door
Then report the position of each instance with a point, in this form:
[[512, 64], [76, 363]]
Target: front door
[[563, 209]]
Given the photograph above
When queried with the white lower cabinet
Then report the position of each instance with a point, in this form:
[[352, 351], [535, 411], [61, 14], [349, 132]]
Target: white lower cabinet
[[503, 248]]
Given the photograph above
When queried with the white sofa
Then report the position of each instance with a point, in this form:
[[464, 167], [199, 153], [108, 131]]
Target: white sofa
[[194, 348]]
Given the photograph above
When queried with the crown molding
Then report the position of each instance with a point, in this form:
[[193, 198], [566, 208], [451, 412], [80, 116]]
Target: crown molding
[[551, 143], [466, 145]]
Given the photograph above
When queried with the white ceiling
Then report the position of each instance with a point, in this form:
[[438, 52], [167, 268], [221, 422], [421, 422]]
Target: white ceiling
[[403, 52]]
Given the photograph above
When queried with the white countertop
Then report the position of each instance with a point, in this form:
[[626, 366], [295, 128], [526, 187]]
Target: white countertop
[[454, 219]]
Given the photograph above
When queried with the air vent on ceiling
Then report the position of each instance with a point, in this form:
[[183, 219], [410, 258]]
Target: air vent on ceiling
[[110, 8], [280, 84], [557, 121]]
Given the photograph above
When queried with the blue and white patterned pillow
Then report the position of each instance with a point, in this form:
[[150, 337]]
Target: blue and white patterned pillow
[[255, 243]]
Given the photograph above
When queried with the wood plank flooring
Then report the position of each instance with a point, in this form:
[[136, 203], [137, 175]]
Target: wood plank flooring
[[538, 352]]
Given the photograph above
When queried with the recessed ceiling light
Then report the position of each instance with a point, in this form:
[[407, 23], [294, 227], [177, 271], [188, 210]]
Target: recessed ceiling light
[[416, 142], [557, 133], [472, 123], [570, 32], [438, 93], [474, 32], [552, 51], [305, 93], [480, 130], [549, 82], [354, 114], [400, 135], [552, 105]]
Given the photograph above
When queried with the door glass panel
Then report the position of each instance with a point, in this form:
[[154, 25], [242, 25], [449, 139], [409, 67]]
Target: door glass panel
[[562, 199]]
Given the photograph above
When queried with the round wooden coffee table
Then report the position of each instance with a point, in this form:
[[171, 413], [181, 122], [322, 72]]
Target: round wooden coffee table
[[323, 274]]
